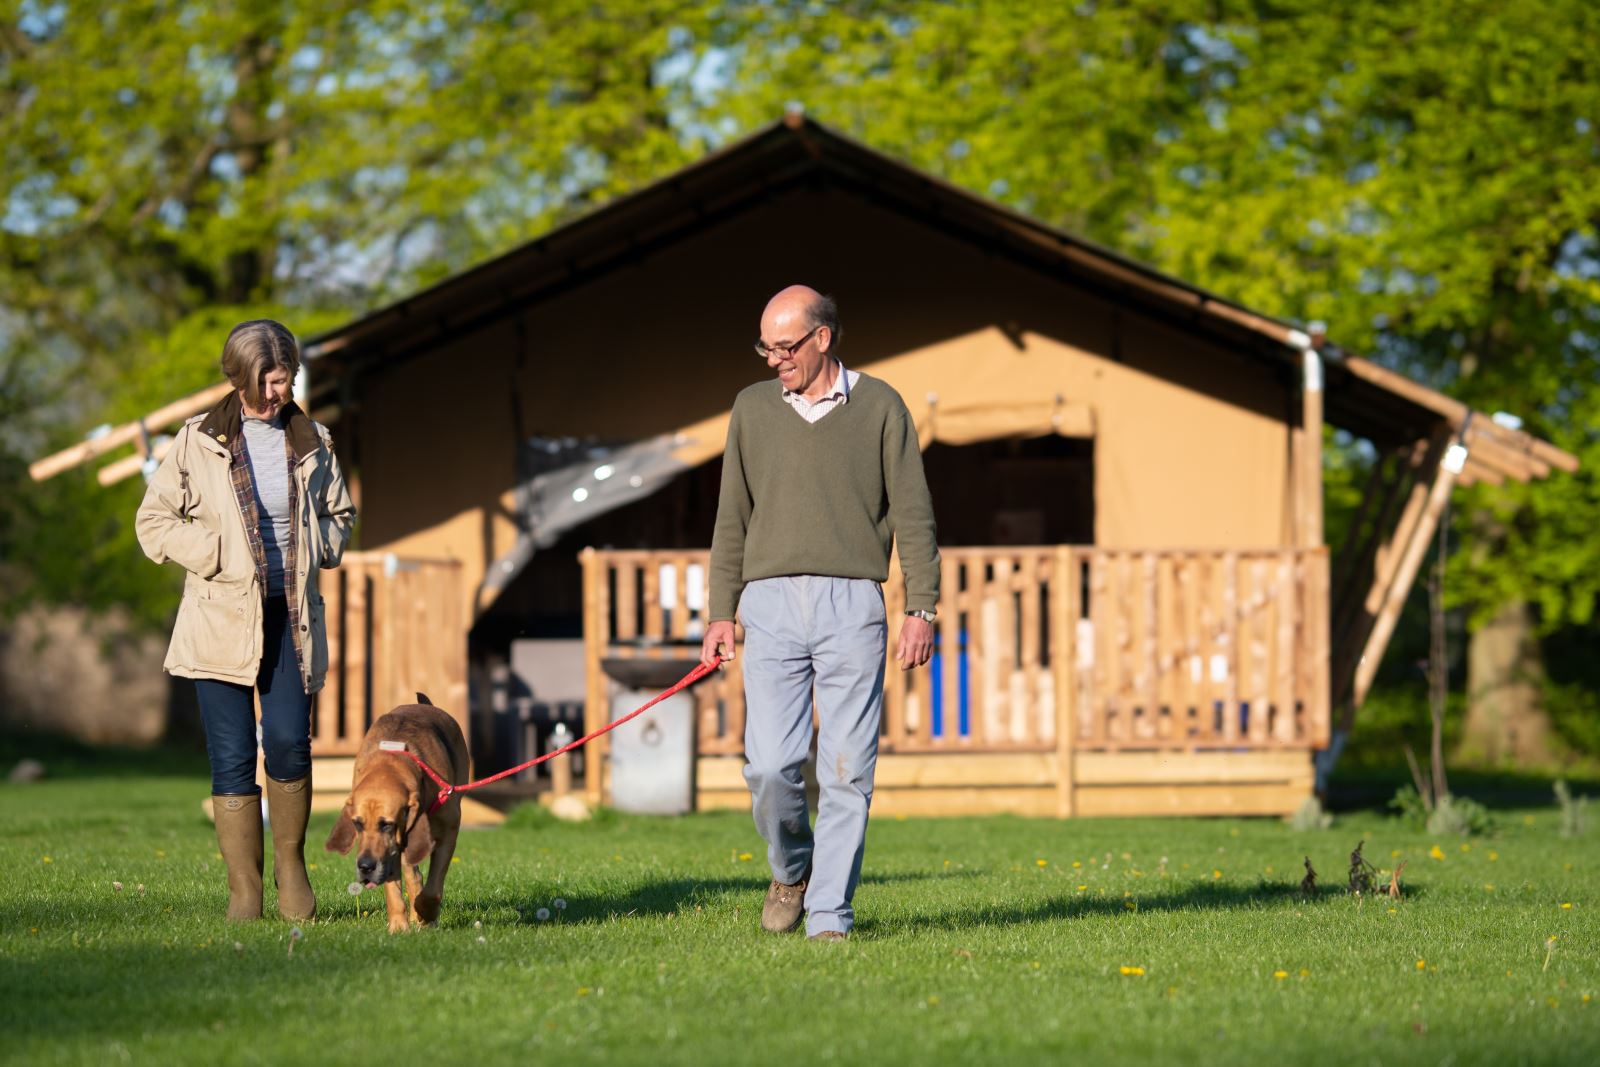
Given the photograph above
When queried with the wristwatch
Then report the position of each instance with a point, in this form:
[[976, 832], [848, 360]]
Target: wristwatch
[[925, 616]]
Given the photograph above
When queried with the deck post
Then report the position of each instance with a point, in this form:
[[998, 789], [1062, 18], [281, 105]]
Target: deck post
[[594, 640], [1064, 598]]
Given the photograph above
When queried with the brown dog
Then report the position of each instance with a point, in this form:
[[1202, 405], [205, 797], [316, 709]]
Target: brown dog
[[388, 811]]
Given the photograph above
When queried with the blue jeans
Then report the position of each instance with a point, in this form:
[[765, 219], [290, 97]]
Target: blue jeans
[[230, 720]]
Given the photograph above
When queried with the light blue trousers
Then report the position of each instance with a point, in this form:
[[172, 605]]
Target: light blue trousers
[[824, 638]]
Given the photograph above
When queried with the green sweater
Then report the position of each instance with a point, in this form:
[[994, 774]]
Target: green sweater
[[825, 498]]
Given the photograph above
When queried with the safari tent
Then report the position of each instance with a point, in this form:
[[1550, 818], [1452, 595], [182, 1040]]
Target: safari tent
[[1140, 614]]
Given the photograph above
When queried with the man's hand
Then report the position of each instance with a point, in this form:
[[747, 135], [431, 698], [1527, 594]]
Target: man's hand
[[916, 643], [718, 642]]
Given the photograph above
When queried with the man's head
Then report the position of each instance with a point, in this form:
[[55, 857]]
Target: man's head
[[799, 331]]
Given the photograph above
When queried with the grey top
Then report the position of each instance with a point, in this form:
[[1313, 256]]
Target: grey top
[[269, 471]]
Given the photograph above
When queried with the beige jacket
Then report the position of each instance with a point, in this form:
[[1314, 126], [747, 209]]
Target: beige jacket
[[189, 515]]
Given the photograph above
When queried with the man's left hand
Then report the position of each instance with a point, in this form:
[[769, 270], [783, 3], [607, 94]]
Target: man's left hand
[[916, 643]]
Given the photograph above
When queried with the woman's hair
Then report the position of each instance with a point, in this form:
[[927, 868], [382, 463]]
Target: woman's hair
[[254, 348]]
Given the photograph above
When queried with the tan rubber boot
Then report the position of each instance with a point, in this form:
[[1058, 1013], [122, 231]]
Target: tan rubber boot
[[239, 839], [290, 805]]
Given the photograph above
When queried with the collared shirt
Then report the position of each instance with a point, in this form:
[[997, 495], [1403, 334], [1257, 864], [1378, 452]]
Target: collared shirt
[[812, 410]]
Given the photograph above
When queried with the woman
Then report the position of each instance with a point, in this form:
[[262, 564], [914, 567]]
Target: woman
[[250, 502]]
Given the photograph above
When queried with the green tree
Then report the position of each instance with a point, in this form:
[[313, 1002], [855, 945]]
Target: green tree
[[168, 169], [1422, 176]]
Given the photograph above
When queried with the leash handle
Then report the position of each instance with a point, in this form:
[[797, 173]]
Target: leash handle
[[446, 790]]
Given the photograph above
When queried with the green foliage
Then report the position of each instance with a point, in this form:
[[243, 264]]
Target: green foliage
[[1310, 816], [167, 170], [1455, 815], [1460, 816], [1409, 807]]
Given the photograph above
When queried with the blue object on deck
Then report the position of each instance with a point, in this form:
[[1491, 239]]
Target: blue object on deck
[[935, 666]]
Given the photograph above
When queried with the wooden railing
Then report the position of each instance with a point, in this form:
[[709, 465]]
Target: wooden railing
[[1039, 648], [394, 630]]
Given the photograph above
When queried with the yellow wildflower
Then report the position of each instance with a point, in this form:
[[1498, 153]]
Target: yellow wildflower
[[1436, 852], [1215, 875], [1566, 906], [744, 857], [1076, 865], [1042, 863], [1280, 974], [1493, 855], [1081, 888], [1132, 972], [1422, 965]]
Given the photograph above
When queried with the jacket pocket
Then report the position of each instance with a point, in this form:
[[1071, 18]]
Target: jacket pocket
[[319, 637], [217, 628]]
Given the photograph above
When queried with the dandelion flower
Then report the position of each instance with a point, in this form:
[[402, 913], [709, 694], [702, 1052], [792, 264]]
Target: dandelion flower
[[1422, 965], [744, 857], [1132, 972], [477, 924], [1493, 855], [1566, 905], [47, 859], [584, 991], [559, 904], [354, 889], [1042, 863], [1081, 888], [1436, 852], [1394, 911], [482, 940], [1280, 974], [1215, 875], [117, 886], [296, 933], [543, 915]]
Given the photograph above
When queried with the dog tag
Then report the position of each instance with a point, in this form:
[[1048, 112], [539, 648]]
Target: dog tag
[[392, 746]]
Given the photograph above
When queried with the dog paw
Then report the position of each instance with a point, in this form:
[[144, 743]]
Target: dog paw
[[399, 925], [427, 910]]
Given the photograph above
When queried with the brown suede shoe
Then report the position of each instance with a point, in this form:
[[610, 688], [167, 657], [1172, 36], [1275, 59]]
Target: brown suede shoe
[[829, 935], [784, 906]]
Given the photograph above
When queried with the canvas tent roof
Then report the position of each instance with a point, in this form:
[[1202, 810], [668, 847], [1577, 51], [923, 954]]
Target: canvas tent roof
[[797, 152], [1361, 397]]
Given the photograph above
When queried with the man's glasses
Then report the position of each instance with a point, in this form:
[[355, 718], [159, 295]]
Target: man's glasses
[[781, 350]]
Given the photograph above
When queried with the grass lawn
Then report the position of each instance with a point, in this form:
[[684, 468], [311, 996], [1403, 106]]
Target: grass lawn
[[977, 940]]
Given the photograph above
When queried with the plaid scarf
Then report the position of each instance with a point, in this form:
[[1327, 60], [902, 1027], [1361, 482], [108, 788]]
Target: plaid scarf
[[244, 494]]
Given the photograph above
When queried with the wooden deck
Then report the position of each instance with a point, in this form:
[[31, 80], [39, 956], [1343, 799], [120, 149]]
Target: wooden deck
[[1067, 680]]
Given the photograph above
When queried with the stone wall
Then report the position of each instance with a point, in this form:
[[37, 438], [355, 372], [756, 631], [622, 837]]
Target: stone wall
[[64, 670]]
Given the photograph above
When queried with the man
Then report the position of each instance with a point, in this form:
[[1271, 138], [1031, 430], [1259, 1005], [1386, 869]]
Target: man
[[822, 472]]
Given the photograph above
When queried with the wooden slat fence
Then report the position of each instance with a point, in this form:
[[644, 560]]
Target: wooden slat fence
[[394, 630], [1040, 648]]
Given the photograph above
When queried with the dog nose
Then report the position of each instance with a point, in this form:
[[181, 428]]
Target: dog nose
[[366, 864]]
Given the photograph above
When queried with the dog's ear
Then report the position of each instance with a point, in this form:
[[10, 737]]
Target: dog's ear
[[419, 836], [343, 834]]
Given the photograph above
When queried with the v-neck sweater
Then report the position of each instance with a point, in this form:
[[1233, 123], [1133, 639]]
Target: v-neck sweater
[[826, 498]]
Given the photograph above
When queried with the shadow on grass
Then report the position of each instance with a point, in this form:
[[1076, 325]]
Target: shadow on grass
[[1197, 897], [670, 896], [66, 757], [677, 895], [1371, 788]]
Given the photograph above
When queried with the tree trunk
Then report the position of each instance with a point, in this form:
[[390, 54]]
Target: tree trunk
[[1506, 721]]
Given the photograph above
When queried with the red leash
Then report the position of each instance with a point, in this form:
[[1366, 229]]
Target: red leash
[[446, 790]]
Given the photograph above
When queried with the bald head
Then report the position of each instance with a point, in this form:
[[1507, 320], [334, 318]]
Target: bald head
[[799, 331]]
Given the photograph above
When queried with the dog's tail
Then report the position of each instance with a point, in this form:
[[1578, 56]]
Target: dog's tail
[[422, 698]]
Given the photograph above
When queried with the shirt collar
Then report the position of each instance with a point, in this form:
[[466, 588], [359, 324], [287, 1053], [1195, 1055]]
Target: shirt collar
[[840, 390]]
